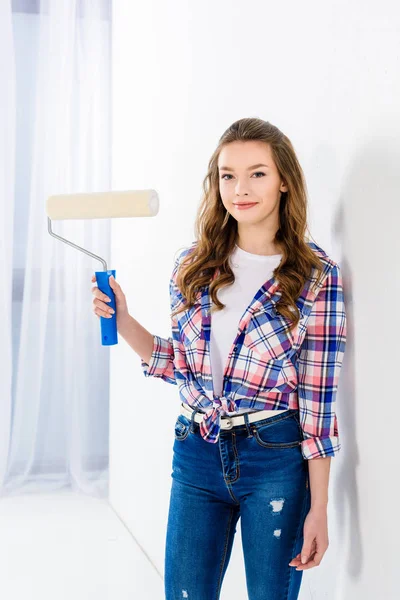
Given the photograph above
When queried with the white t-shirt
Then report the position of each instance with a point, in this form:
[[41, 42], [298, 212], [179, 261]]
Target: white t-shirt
[[251, 272]]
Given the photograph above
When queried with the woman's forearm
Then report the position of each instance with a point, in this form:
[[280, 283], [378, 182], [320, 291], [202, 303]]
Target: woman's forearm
[[138, 338], [319, 469]]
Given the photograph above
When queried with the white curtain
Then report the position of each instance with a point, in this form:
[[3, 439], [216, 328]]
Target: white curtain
[[55, 138]]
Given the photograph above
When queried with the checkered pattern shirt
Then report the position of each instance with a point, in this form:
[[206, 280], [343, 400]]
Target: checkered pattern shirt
[[268, 366]]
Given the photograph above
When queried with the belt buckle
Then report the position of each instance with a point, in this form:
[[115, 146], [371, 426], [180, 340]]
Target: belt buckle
[[227, 423]]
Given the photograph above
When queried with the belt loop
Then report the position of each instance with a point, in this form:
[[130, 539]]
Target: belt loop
[[192, 421], [246, 420]]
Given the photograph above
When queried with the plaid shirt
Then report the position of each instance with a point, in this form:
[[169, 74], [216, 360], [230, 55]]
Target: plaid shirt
[[268, 366]]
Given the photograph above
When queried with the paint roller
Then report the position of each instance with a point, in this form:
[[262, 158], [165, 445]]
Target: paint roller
[[102, 205]]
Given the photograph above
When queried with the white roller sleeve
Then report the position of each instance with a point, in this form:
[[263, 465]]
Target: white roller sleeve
[[103, 205]]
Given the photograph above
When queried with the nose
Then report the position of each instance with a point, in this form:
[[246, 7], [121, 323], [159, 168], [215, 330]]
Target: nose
[[241, 188], [241, 191]]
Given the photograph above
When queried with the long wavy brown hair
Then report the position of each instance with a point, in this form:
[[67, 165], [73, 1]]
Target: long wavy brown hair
[[216, 230]]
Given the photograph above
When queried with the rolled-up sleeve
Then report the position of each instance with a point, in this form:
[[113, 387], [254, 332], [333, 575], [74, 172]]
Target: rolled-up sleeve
[[319, 365], [162, 360]]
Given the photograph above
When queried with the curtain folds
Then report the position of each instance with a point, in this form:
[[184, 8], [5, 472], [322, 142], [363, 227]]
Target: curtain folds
[[56, 138]]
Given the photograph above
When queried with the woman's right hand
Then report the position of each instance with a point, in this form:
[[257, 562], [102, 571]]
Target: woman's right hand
[[101, 306]]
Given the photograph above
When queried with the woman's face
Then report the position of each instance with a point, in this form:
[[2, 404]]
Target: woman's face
[[240, 181]]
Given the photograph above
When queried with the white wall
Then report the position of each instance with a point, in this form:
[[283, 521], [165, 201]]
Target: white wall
[[327, 75]]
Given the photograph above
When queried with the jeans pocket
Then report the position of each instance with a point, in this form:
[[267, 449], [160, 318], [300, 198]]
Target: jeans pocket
[[182, 428], [281, 433]]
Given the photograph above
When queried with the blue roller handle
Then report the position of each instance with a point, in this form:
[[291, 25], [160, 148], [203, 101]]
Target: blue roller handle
[[109, 335]]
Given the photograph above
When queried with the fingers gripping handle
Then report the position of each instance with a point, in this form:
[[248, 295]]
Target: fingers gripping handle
[[109, 335]]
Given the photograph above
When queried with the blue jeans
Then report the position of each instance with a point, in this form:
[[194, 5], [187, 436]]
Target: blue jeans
[[255, 471]]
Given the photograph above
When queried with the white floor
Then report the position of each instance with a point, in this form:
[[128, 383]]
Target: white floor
[[70, 547]]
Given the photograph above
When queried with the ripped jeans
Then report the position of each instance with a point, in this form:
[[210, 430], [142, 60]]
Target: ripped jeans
[[255, 471]]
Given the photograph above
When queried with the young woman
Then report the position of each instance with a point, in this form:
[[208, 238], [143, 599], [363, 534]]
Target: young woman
[[258, 338]]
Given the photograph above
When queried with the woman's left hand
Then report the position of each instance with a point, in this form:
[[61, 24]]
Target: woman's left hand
[[315, 541]]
